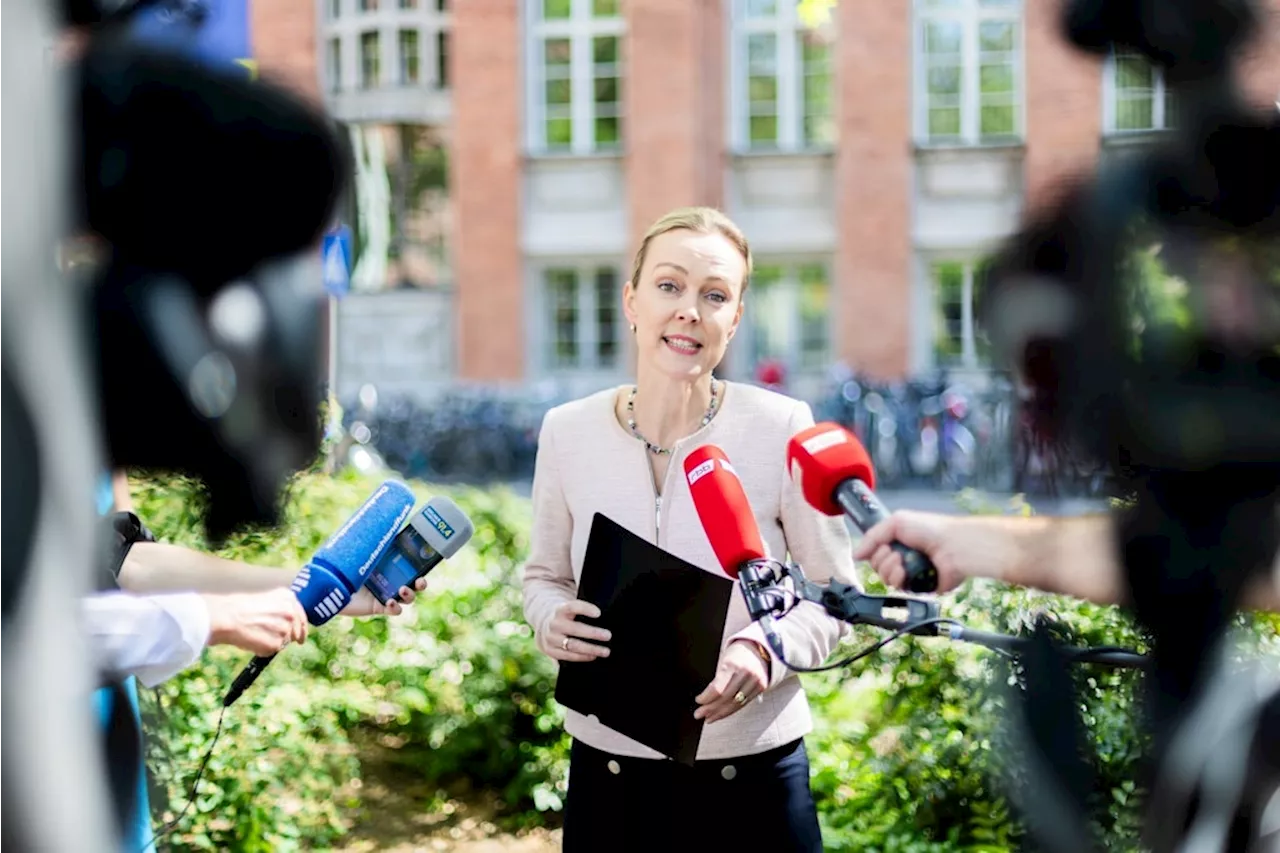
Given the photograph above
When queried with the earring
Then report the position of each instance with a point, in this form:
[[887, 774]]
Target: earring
[[633, 328]]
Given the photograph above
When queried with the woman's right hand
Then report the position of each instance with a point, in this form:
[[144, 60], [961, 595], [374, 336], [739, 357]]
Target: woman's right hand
[[567, 638]]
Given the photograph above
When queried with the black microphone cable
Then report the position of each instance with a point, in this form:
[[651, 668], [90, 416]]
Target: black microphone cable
[[170, 826]]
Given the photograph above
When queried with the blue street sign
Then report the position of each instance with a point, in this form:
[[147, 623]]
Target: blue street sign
[[213, 31], [336, 257]]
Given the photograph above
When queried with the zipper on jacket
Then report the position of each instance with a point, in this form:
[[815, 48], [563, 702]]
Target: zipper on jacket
[[657, 498]]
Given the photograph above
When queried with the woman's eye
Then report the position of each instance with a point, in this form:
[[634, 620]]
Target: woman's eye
[[666, 285], [716, 297]]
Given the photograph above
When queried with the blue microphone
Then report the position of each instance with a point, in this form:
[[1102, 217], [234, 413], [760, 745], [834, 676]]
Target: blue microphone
[[340, 567]]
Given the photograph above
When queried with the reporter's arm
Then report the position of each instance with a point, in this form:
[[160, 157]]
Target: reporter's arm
[[161, 567], [152, 567], [151, 637], [1073, 556]]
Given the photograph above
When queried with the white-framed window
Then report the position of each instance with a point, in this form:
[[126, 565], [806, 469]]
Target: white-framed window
[[370, 60], [788, 312], [956, 288], [969, 71], [574, 55], [582, 316], [1134, 95], [782, 79]]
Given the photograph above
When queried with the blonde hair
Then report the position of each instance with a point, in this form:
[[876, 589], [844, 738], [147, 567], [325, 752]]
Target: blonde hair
[[702, 220]]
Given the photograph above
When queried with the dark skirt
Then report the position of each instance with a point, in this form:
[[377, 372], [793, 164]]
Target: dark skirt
[[755, 802]]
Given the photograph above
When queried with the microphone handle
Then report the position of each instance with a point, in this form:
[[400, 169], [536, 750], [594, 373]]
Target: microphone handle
[[865, 510], [246, 677]]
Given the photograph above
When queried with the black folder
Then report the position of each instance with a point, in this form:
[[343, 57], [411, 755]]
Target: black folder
[[667, 618]]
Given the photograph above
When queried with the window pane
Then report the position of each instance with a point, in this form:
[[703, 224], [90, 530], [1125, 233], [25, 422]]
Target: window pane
[[995, 78], [442, 58], [369, 60], [556, 55], [606, 8], [553, 9], [335, 65], [944, 122], [409, 58], [948, 281], [815, 51], [607, 296], [942, 38], [995, 36], [762, 90], [1135, 112], [764, 130], [608, 130], [408, 4], [997, 121], [1134, 72], [769, 312], [559, 132], [762, 8], [606, 90], [562, 297], [559, 92], [762, 53], [815, 311], [604, 49], [944, 80], [981, 343]]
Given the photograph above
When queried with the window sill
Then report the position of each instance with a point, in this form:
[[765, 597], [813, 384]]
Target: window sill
[[781, 153], [601, 155], [1009, 145], [1116, 138]]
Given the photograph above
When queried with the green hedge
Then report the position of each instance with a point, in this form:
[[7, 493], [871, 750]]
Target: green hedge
[[904, 753]]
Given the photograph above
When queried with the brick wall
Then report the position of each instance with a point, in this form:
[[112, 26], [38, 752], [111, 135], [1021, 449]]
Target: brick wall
[[672, 101], [873, 178], [485, 160], [283, 35], [1063, 106]]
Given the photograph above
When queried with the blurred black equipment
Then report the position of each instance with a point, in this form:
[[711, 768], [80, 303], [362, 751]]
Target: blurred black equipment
[[1144, 312]]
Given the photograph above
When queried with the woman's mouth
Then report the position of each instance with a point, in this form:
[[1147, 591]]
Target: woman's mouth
[[682, 345]]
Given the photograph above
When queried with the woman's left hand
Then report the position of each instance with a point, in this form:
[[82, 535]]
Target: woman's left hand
[[740, 678]]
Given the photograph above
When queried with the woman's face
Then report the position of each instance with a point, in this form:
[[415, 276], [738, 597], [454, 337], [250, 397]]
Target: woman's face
[[687, 303]]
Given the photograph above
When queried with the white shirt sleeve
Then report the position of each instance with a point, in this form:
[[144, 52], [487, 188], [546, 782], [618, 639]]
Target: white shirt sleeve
[[153, 637]]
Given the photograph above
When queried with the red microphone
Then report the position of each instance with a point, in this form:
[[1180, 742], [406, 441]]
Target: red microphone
[[731, 529], [835, 474], [723, 508]]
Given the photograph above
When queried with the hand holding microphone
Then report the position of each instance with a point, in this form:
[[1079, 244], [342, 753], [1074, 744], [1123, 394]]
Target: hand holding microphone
[[834, 472], [371, 552], [260, 622]]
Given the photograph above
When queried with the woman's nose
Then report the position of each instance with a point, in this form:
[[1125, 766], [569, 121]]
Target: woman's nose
[[687, 312]]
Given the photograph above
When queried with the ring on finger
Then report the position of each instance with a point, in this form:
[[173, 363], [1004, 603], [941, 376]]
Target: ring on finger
[[740, 698], [564, 644]]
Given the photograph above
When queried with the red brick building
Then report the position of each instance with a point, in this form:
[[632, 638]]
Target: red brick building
[[873, 160]]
